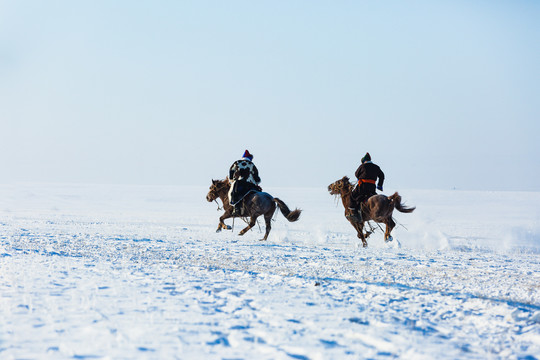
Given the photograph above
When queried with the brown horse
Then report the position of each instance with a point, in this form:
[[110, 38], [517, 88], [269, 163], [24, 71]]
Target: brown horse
[[255, 203], [378, 208]]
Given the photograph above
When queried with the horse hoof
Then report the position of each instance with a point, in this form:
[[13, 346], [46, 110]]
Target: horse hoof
[[218, 230], [389, 239], [229, 227]]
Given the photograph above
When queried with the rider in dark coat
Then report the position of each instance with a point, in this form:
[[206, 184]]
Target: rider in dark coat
[[367, 175], [244, 177]]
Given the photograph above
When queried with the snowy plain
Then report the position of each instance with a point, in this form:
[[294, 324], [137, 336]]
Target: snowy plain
[[138, 272]]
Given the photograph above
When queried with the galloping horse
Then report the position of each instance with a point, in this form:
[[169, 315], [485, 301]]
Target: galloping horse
[[378, 208], [255, 203]]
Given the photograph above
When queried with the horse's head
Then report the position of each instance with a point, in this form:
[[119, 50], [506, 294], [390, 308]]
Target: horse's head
[[340, 187], [217, 189]]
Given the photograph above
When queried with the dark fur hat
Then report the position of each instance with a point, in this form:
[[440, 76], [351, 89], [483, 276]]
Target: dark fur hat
[[366, 157]]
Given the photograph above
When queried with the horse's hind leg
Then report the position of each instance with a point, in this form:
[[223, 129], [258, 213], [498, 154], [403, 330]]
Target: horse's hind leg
[[390, 225], [250, 225], [268, 222]]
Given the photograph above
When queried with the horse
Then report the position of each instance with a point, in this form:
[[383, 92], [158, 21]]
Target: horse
[[255, 204], [378, 208]]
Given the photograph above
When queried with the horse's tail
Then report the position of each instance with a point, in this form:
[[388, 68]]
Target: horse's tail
[[396, 200], [289, 215]]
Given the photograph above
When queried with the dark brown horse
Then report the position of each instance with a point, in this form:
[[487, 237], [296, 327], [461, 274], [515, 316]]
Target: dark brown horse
[[255, 204], [378, 208]]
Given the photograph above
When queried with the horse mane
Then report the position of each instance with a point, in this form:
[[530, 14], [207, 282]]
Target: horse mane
[[350, 186], [222, 182]]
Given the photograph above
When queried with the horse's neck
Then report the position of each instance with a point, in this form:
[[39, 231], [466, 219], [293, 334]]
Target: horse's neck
[[224, 196], [345, 199]]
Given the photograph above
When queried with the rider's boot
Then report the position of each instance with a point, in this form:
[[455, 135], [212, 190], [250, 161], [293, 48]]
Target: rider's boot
[[359, 215], [237, 210], [354, 215]]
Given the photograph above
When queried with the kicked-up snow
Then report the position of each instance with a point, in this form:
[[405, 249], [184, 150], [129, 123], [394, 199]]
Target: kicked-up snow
[[124, 272]]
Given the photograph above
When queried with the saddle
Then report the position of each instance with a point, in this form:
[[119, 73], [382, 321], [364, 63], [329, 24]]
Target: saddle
[[241, 189], [238, 206]]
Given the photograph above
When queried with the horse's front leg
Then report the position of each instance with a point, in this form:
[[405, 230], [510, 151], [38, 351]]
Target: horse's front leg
[[359, 227], [222, 224], [250, 225], [360, 231]]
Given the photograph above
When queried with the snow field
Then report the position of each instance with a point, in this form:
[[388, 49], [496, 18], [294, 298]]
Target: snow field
[[138, 272]]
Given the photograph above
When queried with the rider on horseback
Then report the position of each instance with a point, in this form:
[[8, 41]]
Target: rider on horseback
[[244, 177], [367, 174]]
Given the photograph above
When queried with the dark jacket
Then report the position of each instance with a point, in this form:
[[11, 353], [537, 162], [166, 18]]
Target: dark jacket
[[370, 171], [364, 190]]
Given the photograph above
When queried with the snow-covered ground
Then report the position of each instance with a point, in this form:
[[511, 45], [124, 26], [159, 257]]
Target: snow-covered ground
[[124, 272]]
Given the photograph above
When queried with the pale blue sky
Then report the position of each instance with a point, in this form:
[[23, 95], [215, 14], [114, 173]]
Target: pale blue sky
[[443, 94]]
